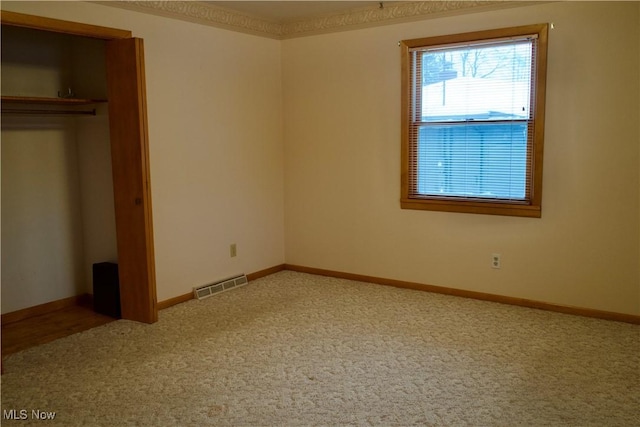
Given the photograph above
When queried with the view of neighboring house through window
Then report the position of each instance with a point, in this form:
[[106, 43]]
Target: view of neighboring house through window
[[472, 137]]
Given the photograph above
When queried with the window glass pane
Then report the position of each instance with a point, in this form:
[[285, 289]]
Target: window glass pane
[[484, 160], [489, 82]]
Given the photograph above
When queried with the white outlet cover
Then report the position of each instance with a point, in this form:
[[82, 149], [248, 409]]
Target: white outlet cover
[[496, 260]]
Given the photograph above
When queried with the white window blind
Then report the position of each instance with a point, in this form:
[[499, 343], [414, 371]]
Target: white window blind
[[471, 118]]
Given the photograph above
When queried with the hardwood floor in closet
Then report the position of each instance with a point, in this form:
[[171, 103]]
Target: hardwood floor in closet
[[44, 328]]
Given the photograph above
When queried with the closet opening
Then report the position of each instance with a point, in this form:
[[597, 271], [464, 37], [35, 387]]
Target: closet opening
[[76, 184]]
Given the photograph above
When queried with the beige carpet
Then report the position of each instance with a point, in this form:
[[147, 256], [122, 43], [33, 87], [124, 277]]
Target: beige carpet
[[295, 349]]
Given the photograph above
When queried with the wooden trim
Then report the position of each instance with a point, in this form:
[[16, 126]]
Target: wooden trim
[[131, 178], [48, 307], [174, 301], [522, 302], [59, 26], [250, 277], [540, 86], [467, 206], [265, 272], [7, 99], [486, 35], [405, 119]]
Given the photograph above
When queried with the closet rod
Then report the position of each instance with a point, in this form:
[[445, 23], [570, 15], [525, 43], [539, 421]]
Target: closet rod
[[53, 112]]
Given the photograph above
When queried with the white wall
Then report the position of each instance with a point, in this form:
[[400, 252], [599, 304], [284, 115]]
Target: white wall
[[96, 192], [342, 157], [215, 143], [42, 258]]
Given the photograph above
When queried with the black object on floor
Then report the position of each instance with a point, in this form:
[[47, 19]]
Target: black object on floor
[[106, 289]]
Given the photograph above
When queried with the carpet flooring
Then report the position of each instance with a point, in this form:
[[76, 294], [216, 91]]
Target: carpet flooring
[[293, 349]]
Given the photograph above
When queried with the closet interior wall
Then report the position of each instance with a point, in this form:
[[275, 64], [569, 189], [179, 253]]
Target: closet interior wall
[[57, 191]]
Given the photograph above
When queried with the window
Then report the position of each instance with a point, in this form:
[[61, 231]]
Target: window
[[473, 121]]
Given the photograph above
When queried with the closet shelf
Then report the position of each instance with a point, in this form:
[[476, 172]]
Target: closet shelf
[[49, 101]]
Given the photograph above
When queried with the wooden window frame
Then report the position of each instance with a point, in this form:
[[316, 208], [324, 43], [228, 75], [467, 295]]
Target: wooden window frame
[[532, 207]]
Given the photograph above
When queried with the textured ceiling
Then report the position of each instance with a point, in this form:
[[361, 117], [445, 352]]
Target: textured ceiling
[[289, 19], [288, 11]]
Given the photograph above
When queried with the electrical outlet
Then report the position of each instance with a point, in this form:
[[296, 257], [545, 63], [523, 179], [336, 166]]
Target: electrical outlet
[[233, 250], [496, 260]]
